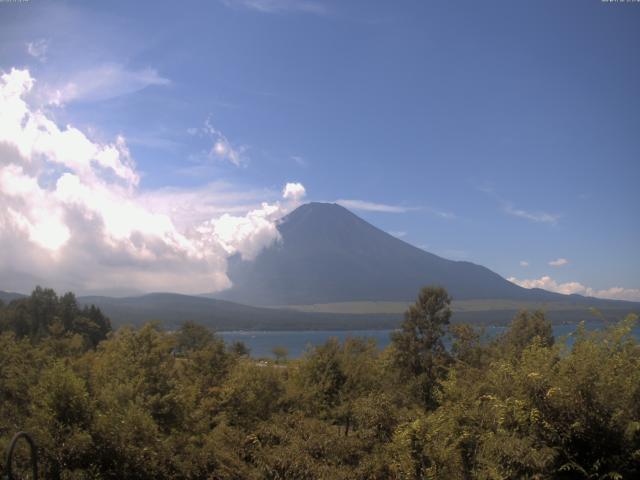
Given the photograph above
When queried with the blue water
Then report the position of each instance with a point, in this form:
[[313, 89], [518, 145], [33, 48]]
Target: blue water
[[261, 343]]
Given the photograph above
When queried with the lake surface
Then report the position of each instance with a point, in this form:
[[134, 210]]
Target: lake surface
[[261, 343]]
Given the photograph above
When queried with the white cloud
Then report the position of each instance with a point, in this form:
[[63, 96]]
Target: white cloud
[[278, 6], [617, 293], [301, 161], [508, 208], [540, 217], [72, 215], [568, 288], [398, 234], [547, 283], [524, 263], [246, 235], [294, 191], [192, 206], [441, 213], [108, 80], [558, 262], [38, 49], [222, 147], [382, 207], [372, 207]]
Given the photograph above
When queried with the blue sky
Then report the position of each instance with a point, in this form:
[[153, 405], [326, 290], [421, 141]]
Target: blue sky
[[497, 132]]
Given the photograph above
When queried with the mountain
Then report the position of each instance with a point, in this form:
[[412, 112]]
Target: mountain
[[333, 270], [328, 254]]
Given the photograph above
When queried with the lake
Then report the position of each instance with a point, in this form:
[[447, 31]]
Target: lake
[[262, 342]]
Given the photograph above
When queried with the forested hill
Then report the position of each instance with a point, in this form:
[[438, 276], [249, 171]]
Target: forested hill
[[152, 404]]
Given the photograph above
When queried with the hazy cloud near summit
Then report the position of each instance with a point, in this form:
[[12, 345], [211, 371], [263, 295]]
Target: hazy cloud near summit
[[74, 217], [372, 207]]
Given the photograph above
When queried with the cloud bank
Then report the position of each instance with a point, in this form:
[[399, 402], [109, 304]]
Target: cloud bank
[[568, 288], [72, 215]]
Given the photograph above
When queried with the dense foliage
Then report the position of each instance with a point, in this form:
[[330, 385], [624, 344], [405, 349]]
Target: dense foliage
[[150, 404]]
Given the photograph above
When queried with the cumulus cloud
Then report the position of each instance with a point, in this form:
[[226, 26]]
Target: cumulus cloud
[[194, 205], [294, 191], [558, 262], [72, 214], [524, 263], [246, 235], [547, 283]]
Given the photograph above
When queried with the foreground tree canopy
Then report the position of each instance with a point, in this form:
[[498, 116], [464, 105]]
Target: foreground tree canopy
[[150, 404]]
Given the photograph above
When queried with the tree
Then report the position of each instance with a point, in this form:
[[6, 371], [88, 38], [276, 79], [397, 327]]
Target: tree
[[44, 314], [524, 328], [239, 349], [280, 352], [67, 310], [252, 393], [467, 346], [192, 336], [419, 353], [60, 420]]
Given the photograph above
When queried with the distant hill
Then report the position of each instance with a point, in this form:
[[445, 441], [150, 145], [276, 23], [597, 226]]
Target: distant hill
[[173, 309], [328, 254], [7, 297]]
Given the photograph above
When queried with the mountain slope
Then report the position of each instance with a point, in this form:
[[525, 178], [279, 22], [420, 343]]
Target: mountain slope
[[328, 254]]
